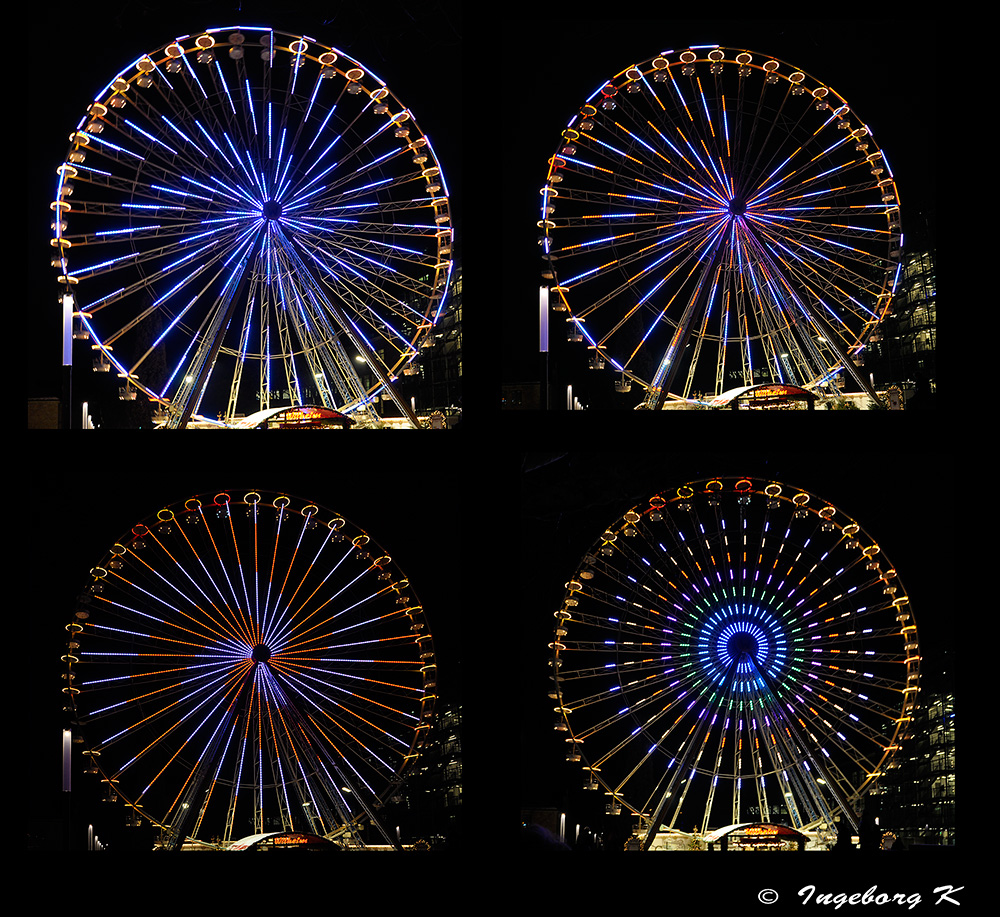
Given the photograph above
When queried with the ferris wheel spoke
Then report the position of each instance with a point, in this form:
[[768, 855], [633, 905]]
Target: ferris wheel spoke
[[154, 257], [346, 183], [835, 264], [353, 270], [339, 144], [176, 714], [293, 743], [843, 725], [207, 634], [160, 308], [329, 312], [278, 625], [350, 700], [359, 732], [280, 628], [691, 253], [790, 283], [208, 755], [212, 627], [230, 614]]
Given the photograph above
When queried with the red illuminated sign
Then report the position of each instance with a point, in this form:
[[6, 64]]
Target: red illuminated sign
[[773, 391]]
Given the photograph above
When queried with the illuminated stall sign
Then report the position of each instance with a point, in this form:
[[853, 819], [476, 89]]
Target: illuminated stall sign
[[767, 392], [306, 418], [308, 414], [757, 836]]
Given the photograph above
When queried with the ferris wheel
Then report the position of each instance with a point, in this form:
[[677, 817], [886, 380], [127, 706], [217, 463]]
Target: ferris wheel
[[715, 218], [734, 651], [245, 198], [248, 663]]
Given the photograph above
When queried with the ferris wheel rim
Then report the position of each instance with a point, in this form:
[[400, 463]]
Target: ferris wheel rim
[[365, 258], [638, 165], [298, 651], [638, 687]]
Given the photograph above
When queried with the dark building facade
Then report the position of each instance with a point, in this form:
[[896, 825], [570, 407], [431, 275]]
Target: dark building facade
[[918, 794], [903, 349]]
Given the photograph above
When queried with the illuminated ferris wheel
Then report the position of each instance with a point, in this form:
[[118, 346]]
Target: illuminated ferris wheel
[[247, 219], [250, 662], [714, 218], [734, 651]]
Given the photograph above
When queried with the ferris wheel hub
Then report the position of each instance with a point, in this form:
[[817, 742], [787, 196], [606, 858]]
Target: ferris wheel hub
[[260, 653], [271, 211], [742, 644]]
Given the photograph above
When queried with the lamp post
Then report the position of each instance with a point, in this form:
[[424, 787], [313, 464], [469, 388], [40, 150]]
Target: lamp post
[[67, 360]]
